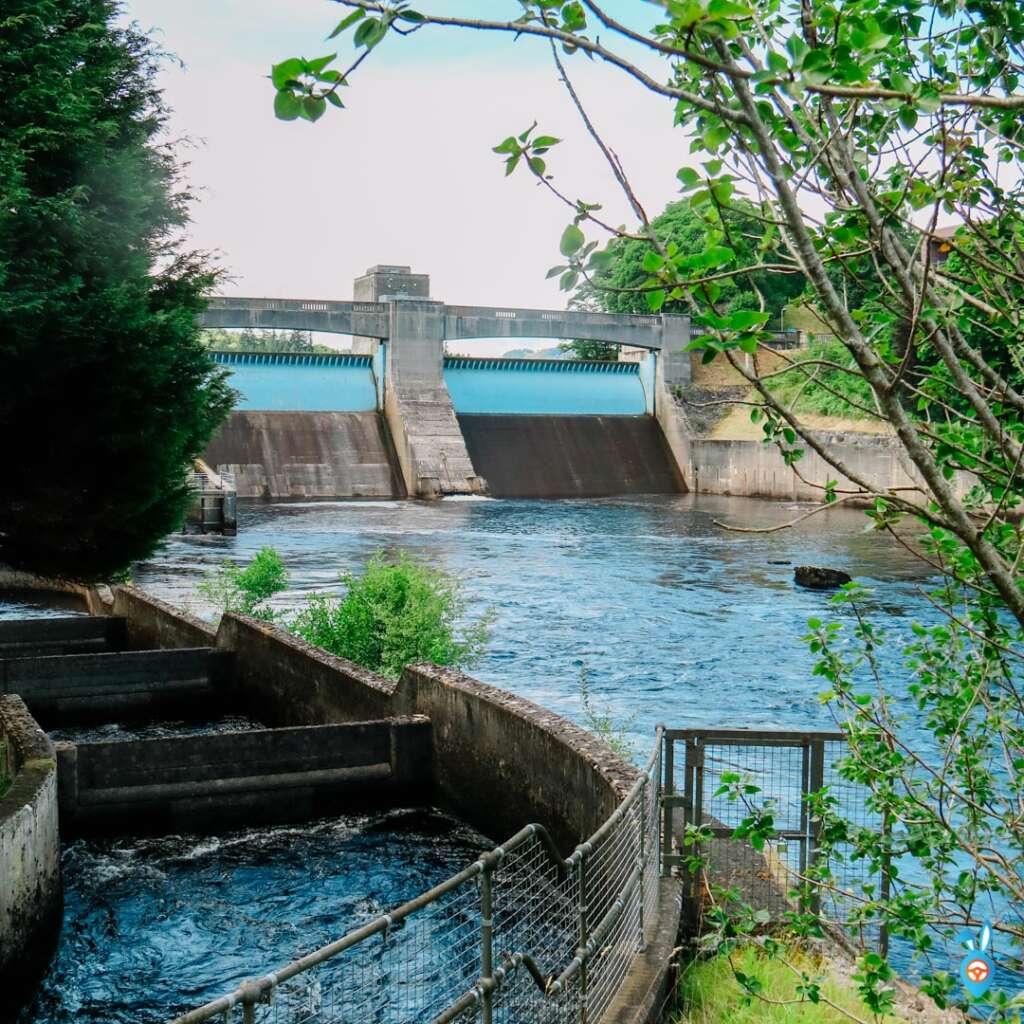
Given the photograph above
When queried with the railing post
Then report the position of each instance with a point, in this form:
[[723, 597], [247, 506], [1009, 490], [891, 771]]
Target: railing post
[[642, 858], [816, 780], [667, 790], [487, 944], [250, 994], [584, 930]]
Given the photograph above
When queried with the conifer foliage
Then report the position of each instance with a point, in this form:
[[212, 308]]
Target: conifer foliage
[[107, 392]]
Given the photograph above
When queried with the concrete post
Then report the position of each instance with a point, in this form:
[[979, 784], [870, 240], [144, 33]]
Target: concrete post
[[417, 407], [381, 283], [675, 336], [673, 371]]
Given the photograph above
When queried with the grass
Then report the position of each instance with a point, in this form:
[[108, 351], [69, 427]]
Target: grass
[[710, 994], [817, 395]]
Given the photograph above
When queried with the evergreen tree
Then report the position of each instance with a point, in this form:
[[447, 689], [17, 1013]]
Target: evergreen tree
[[108, 391]]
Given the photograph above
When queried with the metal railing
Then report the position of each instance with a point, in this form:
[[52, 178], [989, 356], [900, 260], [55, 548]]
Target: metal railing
[[783, 768], [628, 369], [520, 935]]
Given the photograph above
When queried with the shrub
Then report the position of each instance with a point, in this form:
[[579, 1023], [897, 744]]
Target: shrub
[[397, 613], [236, 589]]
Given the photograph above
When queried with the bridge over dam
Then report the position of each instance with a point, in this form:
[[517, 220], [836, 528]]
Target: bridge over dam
[[398, 417]]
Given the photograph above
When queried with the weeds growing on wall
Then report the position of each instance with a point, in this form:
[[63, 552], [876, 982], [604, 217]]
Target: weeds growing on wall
[[398, 612], [234, 588], [600, 720]]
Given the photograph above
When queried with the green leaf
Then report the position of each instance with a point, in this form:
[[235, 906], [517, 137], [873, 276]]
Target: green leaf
[[370, 33], [555, 271], [334, 99], [347, 21], [689, 177], [312, 108], [287, 71], [413, 16], [314, 67], [572, 240], [744, 319], [715, 136], [287, 106], [537, 166], [508, 146], [545, 142], [652, 261], [908, 117], [656, 299]]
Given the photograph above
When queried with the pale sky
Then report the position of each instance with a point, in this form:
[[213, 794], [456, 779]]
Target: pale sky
[[405, 174]]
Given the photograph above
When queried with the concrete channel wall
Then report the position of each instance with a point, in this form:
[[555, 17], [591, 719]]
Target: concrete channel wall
[[31, 898], [185, 783], [119, 686]]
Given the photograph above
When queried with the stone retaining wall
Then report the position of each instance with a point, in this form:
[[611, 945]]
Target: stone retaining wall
[[31, 899], [752, 469]]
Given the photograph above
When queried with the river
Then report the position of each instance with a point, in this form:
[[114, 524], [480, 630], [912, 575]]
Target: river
[[673, 618]]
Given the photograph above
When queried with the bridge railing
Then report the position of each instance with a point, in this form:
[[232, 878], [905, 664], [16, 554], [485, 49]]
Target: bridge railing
[[569, 316], [294, 305], [520, 935]]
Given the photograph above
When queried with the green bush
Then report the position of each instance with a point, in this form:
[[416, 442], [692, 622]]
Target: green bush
[[233, 588], [397, 613]]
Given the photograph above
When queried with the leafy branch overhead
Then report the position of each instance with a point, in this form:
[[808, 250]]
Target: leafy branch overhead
[[865, 157]]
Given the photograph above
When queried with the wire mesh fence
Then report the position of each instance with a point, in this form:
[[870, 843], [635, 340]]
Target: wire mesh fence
[[705, 769], [520, 935]]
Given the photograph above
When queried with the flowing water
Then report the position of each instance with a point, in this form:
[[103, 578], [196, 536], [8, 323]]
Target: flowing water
[[673, 618], [670, 617], [156, 926]]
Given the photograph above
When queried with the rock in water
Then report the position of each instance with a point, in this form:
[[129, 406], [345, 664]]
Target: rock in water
[[817, 578]]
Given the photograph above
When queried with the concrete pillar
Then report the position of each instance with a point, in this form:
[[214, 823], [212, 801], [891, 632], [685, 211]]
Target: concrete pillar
[[381, 283], [674, 371], [426, 434], [675, 336]]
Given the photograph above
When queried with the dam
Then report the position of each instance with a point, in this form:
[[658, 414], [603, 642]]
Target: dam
[[398, 417]]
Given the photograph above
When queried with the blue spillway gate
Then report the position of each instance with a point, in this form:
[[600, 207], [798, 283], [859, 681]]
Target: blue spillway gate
[[327, 382], [549, 387], [298, 382]]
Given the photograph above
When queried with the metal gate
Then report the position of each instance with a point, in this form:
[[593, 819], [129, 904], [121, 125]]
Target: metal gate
[[785, 768]]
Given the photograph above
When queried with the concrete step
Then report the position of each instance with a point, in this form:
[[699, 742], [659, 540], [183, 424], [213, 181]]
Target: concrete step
[[216, 780], [73, 689], [72, 634]]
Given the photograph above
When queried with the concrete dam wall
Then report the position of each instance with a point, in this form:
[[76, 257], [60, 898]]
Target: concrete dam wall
[[570, 456], [306, 454]]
